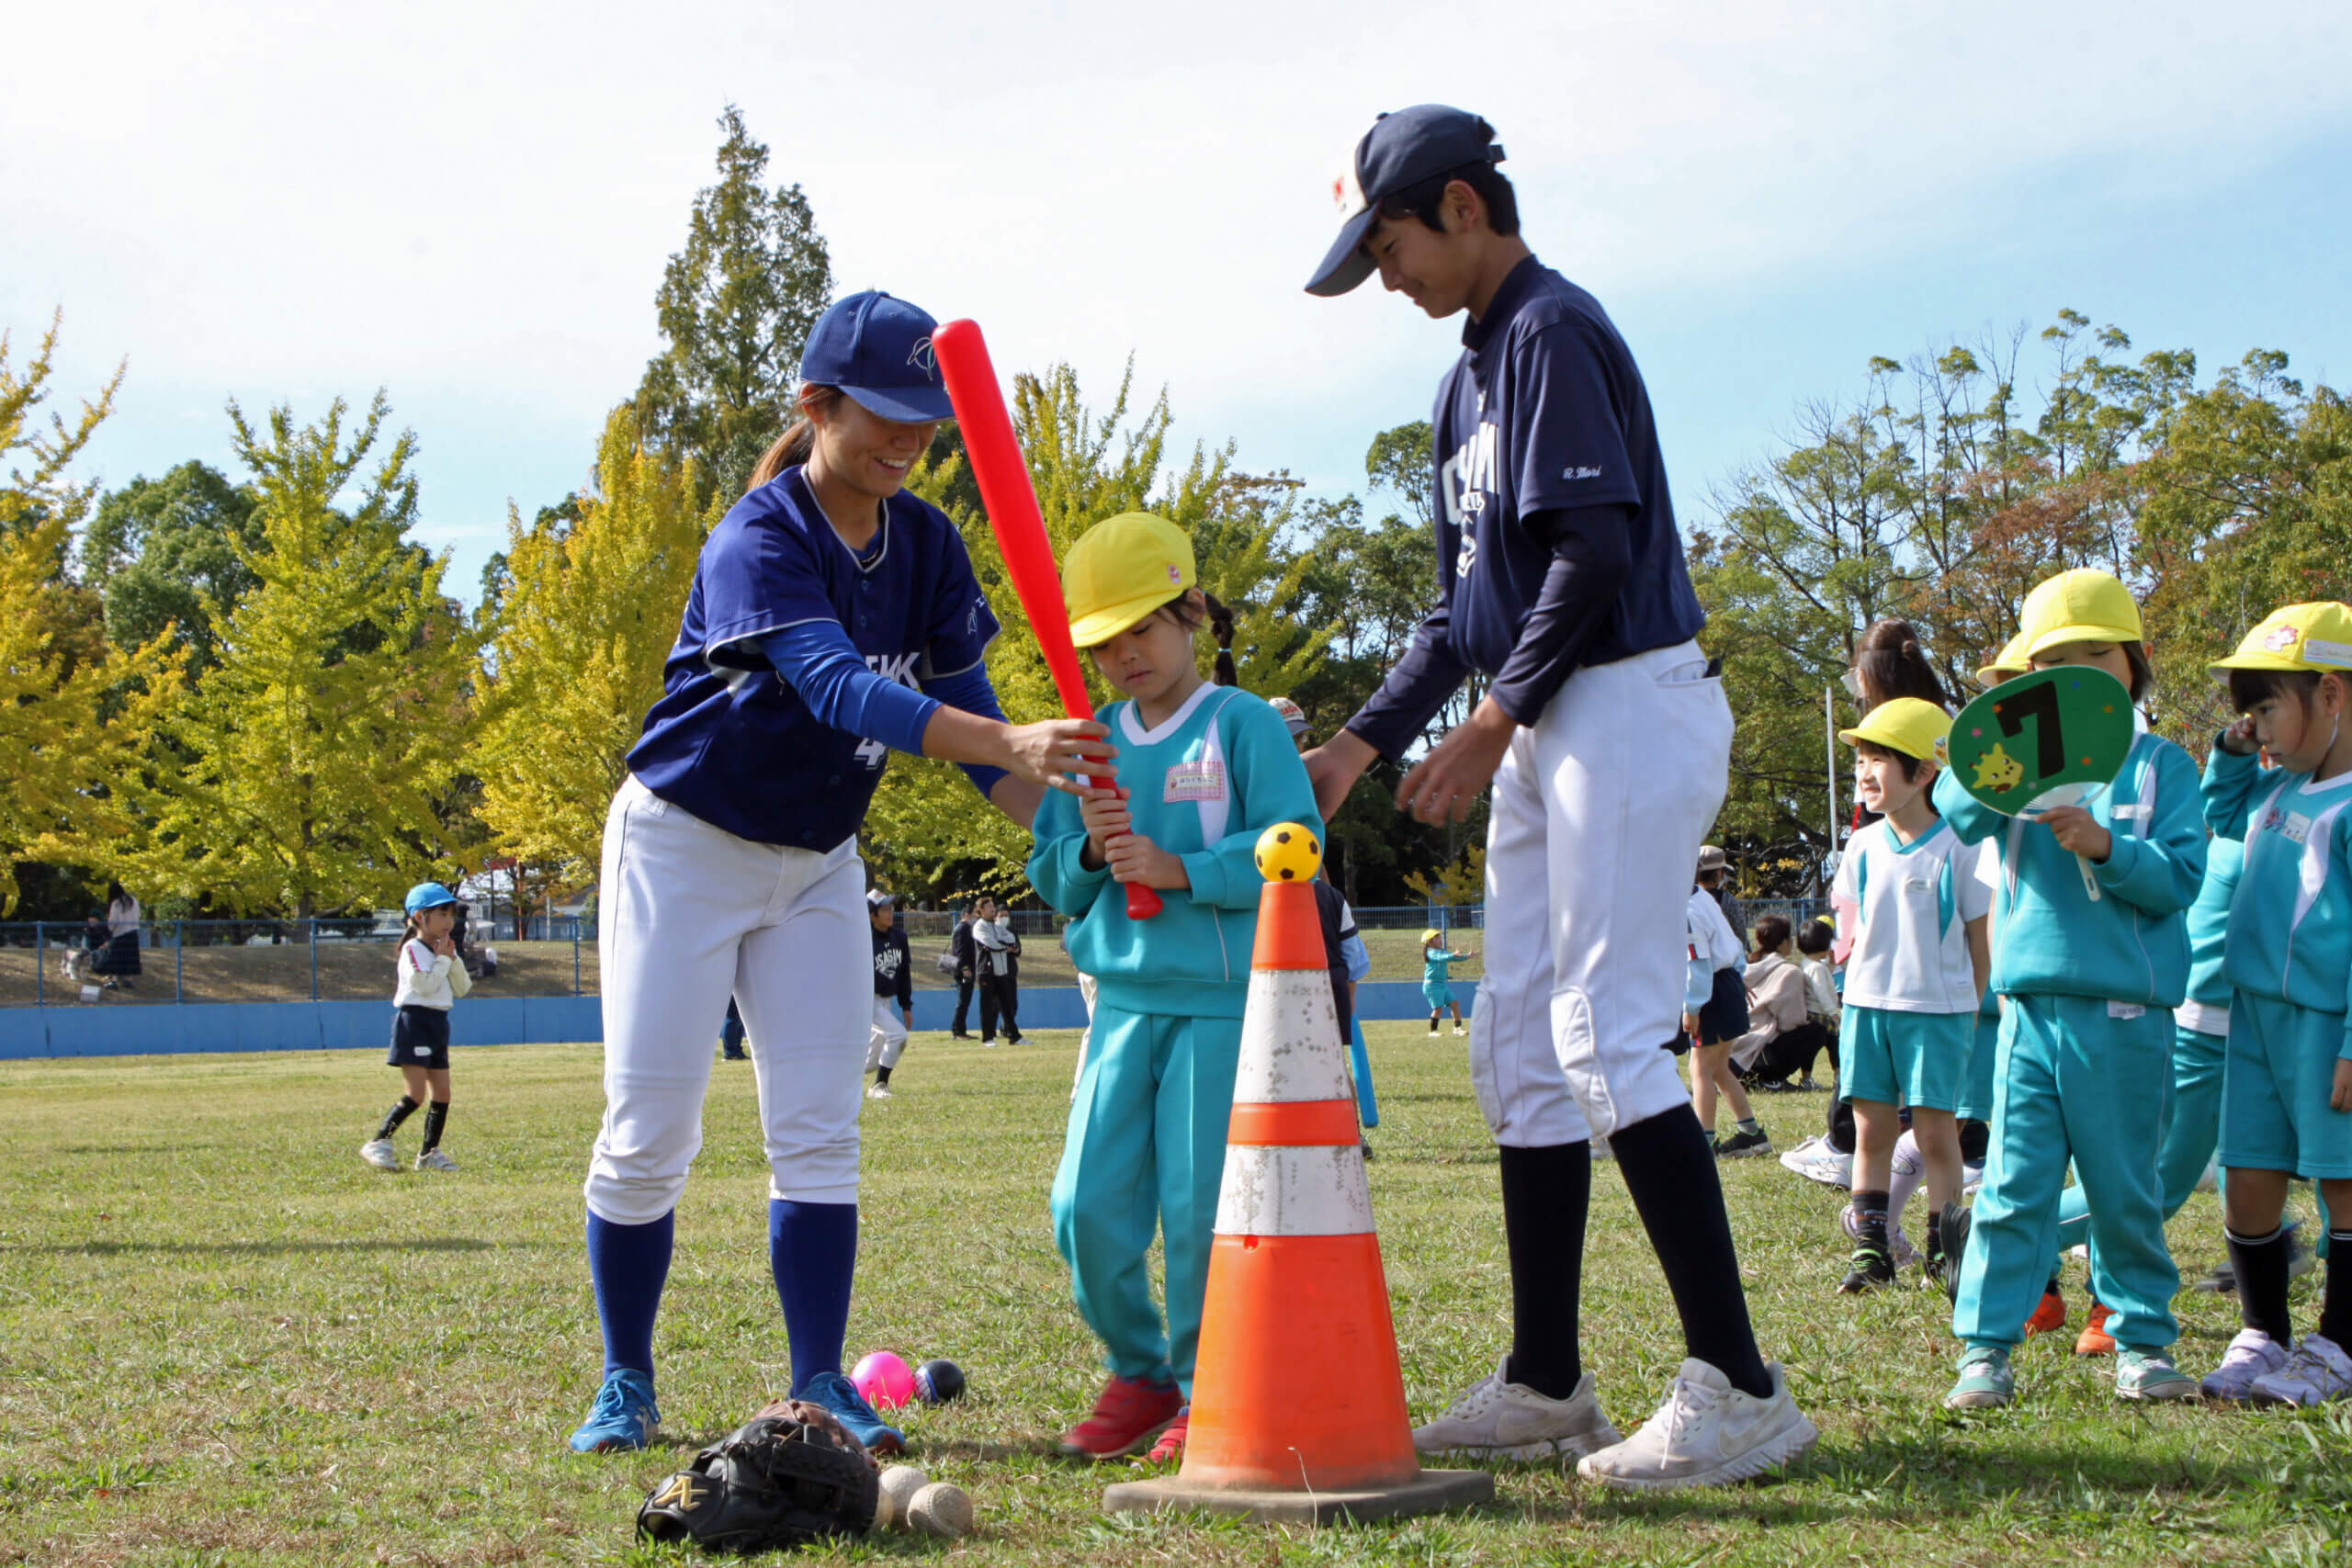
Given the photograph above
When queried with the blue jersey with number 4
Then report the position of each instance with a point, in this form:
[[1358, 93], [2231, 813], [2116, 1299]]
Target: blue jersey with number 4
[[734, 744]]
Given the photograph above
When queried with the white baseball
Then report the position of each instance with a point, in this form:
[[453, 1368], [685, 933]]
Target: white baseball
[[941, 1509], [899, 1484]]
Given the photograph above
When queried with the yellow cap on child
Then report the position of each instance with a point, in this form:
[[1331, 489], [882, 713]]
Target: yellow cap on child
[[1907, 725], [1121, 571], [2008, 664], [1428, 937], [2076, 606], [2314, 637]]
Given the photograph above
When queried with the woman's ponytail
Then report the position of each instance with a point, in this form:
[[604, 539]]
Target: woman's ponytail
[[799, 439]]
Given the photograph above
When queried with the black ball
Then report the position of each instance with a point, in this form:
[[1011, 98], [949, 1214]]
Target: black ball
[[936, 1383]]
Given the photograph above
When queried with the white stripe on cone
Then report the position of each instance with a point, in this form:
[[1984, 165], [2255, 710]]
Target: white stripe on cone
[[1318, 1190], [1289, 1039]]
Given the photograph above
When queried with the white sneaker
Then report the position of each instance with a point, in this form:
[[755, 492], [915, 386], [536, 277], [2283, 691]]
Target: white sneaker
[[433, 1159], [2317, 1372], [878, 1092], [378, 1152], [1460, 1029], [1815, 1161], [1499, 1419], [1972, 1176], [1706, 1434], [2252, 1354]]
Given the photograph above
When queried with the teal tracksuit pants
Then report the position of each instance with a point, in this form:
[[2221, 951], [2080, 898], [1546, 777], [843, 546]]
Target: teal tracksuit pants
[[1146, 1151], [2192, 1125], [2076, 1083]]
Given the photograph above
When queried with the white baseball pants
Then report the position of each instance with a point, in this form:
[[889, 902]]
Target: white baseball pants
[[1598, 812], [888, 1038], [688, 913]]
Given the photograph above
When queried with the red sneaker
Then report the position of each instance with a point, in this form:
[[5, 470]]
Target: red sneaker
[[1170, 1446], [1128, 1415], [2095, 1341], [2049, 1317]]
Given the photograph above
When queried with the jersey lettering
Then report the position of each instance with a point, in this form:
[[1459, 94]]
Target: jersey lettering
[[894, 667], [1467, 478]]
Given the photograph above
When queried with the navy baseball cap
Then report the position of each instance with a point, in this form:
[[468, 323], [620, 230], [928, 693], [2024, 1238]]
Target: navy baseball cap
[[1400, 149], [877, 350]]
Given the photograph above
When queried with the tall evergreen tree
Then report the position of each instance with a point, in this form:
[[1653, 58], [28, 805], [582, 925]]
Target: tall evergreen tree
[[736, 305]]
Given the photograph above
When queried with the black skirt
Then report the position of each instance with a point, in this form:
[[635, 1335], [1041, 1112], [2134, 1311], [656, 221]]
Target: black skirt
[[420, 1038], [120, 956], [1724, 1017]]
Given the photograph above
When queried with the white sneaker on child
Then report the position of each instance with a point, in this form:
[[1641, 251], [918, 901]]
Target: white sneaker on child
[[1706, 1434], [2317, 1372], [1815, 1161], [1501, 1419], [2252, 1355], [378, 1152], [433, 1159]]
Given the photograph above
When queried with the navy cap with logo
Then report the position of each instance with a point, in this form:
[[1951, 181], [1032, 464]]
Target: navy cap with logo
[[877, 350], [1400, 149]]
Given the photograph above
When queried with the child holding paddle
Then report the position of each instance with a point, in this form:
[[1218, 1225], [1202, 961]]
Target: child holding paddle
[[2091, 953]]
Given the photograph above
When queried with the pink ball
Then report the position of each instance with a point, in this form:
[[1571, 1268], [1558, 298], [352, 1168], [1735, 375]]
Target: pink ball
[[885, 1379]]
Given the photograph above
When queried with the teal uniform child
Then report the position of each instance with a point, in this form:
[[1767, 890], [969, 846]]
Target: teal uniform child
[[1436, 986], [1203, 769], [2085, 1043], [2286, 1085]]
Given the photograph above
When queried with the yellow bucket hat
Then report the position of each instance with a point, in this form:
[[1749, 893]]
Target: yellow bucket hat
[[2084, 606], [1907, 725], [2314, 637], [1121, 571], [2008, 664]]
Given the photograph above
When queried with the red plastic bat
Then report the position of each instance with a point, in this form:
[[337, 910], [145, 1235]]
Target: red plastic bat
[[1011, 503]]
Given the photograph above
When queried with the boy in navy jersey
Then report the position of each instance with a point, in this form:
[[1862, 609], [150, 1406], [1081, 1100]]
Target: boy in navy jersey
[[1606, 737]]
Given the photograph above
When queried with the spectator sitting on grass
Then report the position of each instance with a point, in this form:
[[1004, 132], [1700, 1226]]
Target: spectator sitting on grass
[[1784, 1039]]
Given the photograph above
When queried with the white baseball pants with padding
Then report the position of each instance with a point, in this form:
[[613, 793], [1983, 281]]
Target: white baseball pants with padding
[[686, 914], [1599, 809], [887, 1040]]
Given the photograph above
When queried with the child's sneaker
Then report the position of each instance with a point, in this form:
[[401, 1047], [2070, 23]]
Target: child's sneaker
[[2150, 1375], [2252, 1355], [1432, 1031], [1953, 1224], [378, 1153], [2095, 1341], [1706, 1434], [1501, 1419], [1985, 1382], [622, 1418], [1461, 1029], [1130, 1412], [1872, 1269], [840, 1395], [1745, 1146], [1169, 1449], [433, 1159], [2050, 1316], [878, 1092], [1815, 1161], [2317, 1372], [1899, 1247]]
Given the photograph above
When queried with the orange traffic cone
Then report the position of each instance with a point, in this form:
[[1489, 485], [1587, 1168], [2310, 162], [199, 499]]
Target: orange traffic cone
[[1298, 1403]]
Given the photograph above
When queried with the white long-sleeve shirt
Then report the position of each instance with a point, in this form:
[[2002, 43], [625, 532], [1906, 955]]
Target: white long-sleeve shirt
[[428, 979]]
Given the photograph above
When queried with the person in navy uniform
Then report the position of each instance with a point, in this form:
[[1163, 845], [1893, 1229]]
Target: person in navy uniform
[[894, 993]]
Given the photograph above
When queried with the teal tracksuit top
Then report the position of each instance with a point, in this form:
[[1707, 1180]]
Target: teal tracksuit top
[[2290, 926], [2209, 924], [2131, 945], [1202, 786]]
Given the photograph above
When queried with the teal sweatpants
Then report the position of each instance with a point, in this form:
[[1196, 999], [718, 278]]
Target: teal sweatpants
[[2075, 1083], [2192, 1125], [1145, 1151]]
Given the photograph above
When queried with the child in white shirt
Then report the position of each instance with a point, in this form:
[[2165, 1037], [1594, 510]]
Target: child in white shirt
[[431, 979]]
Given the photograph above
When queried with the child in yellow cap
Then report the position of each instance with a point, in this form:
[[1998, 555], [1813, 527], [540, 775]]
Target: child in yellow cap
[[1914, 976], [1437, 978], [1203, 770], [2085, 1040], [2287, 1077]]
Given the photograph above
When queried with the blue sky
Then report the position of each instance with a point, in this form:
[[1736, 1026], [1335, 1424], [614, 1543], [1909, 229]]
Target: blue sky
[[470, 205]]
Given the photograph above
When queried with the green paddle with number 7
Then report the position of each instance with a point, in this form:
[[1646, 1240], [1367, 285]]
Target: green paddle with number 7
[[2054, 738]]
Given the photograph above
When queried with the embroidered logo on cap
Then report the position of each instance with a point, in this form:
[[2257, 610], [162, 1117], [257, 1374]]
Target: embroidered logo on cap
[[1175, 574]]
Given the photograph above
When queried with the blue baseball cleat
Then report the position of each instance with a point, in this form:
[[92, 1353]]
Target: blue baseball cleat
[[840, 1395], [623, 1417]]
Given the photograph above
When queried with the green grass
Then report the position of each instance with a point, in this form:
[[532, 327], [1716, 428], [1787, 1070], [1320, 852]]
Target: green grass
[[224, 1340]]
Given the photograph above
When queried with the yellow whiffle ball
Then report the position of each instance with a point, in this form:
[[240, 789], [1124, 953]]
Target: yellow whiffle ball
[[1288, 853]]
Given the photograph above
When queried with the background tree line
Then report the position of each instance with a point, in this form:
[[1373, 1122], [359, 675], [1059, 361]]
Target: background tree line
[[254, 694]]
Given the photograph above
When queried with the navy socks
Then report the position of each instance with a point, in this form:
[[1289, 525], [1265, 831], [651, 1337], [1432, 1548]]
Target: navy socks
[[628, 1265], [1546, 1192], [1671, 1174], [812, 1247]]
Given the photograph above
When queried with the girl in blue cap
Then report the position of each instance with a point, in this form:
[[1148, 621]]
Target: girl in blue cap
[[833, 618], [431, 979]]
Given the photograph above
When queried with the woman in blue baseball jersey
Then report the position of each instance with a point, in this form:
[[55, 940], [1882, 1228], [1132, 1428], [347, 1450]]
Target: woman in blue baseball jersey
[[2085, 1043], [833, 618], [1205, 768], [2286, 1075]]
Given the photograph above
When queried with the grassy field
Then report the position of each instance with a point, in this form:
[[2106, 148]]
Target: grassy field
[[223, 1340]]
